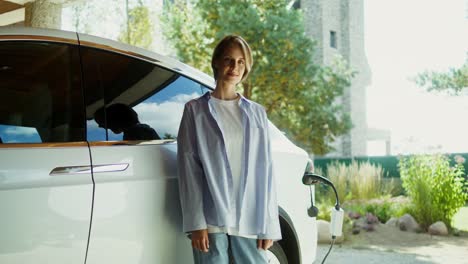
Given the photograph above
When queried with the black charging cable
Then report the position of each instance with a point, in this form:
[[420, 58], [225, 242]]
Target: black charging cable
[[310, 179]]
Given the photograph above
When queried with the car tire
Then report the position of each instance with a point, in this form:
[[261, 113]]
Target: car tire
[[276, 254]]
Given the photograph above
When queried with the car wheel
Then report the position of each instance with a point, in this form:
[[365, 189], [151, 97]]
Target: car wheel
[[276, 255]]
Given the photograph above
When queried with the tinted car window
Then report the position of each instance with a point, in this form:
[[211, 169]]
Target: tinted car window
[[40, 96], [131, 99]]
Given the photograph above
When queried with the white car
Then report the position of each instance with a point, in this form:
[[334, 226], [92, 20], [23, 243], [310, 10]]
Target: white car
[[74, 192]]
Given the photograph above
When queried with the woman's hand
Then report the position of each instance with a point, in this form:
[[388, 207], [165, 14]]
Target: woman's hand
[[264, 244], [200, 240]]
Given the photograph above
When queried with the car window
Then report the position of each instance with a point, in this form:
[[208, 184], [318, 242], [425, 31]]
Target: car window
[[206, 89], [40, 96], [131, 99]]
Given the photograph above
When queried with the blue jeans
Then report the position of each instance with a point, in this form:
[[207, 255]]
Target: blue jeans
[[243, 250]]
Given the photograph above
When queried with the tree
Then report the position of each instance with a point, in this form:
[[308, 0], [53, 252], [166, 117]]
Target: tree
[[299, 96], [138, 27], [85, 16], [80, 17], [453, 81]]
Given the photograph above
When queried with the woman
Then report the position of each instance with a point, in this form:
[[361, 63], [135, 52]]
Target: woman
[[226, 183]]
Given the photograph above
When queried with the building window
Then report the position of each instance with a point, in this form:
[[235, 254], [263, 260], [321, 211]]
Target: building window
[[333, 39]]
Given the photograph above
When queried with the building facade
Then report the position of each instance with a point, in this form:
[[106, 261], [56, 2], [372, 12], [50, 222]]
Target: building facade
[[337, 26]]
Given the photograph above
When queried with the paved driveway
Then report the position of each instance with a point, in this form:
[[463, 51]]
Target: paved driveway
[[344, 255], [389, 245], [347, 255]]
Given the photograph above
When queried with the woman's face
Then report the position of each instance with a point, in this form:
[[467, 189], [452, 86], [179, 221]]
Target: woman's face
[[231, 65]]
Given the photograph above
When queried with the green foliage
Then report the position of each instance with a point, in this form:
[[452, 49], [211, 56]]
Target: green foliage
[[384, 208], [365, 180], [324, 211], [356, 181], [300, 97], [392, 186], [383, 211], [401, 208], [138, 29], [437, 189], [87, 16], [453, 81], [95, 16], [169, 136]]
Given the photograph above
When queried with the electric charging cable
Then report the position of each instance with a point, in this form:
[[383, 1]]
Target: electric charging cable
[[337, 214]]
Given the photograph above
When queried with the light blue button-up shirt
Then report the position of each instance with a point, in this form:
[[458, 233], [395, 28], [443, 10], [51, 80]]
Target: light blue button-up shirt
[[205, 179]]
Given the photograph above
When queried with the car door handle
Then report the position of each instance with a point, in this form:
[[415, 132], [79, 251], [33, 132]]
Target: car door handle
[[110, 167], [87, 169]]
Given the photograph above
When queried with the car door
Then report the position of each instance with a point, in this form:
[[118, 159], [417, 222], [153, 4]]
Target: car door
[[45, 181], [136, 216]]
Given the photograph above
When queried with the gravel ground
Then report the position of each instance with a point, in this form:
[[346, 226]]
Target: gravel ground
[[345, 255], [389, 245]]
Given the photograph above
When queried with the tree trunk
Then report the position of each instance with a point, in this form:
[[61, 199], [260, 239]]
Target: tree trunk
[[43, 14]]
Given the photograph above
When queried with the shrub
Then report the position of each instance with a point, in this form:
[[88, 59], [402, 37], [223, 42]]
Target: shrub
[[365, 180], [356, 181], [436, 188], [324, 211], [392, 187], [383, 209], [337, 174]]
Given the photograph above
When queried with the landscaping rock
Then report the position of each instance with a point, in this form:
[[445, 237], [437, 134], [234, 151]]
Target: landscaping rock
[[367, 223], [323, 233], [407, 223], [356, 230], [438, 229], [354, 215], [371, 219], [359, 223], [392, 222], [369, 227]]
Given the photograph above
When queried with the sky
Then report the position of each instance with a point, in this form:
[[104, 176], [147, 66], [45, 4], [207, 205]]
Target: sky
[[403, 38]]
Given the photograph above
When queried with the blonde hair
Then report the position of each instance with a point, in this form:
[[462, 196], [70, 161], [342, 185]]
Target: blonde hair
[[227, 42]]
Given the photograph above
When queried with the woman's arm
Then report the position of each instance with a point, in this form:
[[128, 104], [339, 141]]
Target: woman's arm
[[273, 230], [190, 173]]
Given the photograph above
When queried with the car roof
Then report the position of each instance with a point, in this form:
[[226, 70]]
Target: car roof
[[62, 36]]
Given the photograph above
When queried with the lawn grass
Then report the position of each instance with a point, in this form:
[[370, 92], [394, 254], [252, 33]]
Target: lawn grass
[[460, 220]]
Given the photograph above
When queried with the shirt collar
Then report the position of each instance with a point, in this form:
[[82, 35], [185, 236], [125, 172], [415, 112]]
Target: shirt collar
[[242, 99]]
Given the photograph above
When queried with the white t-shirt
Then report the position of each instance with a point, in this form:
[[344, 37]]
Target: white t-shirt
[[230, 121]]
